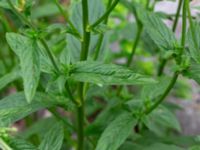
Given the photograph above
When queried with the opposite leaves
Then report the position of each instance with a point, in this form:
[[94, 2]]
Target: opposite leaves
[[27, 51], [106, 74]]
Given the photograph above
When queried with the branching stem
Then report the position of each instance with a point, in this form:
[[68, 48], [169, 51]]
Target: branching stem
[[179, 60]]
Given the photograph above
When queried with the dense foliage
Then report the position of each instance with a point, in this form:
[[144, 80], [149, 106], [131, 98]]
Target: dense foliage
[[94, 74]]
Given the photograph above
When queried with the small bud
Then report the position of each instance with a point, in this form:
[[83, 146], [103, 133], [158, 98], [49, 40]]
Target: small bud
[[21, 5]]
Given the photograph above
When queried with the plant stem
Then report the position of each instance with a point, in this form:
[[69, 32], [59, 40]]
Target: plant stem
[[157, 103], [83, 56], [86, 34], [138, 35], [192, 26], [80, 127], [43, 42], [177, 15], [101, 36], [66, 17], [59, 117], [23, 18], [135, 44], [70, 94], [164, 61], [176, 74], [161, 67], [104, 16]]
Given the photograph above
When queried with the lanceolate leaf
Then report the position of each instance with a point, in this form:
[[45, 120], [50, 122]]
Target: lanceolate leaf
[[157, 30], [108, 74], [8, 78], [15, 107], [161, 146], [162, 117], [194, 42], [116, 133], [53, 139], [20, 144], [152, 91], [27, 51], [4, 4], [193, 72]]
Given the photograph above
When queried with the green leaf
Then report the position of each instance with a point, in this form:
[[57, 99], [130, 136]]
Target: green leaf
[[20, 144], [152, 91], [162, 117], [8, 78], [96, 8], [130, 146], [43, 11], [155, 146], [107, 74], [27, 51], [197, 147], [194, 42], [160, 146], [193, 72], [15, 107], [116, 132], [45, 62], [99, 124], [53, 138], [157, 30], [4, 4], [39, 128]]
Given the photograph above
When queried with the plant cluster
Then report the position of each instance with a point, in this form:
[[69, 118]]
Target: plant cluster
[[101, 68]]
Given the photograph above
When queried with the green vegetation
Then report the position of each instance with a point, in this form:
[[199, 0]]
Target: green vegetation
[[94, 74]]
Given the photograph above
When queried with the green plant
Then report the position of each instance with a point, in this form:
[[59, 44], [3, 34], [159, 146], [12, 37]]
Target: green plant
[[67, 69]]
